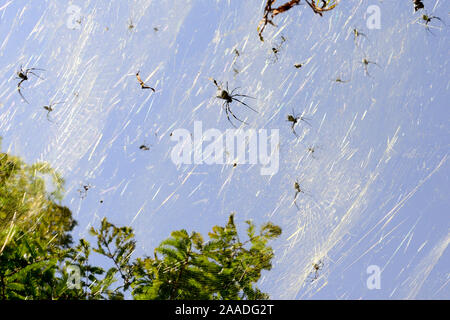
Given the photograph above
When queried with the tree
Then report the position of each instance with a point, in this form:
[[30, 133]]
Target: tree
[[221, 268], [34, 228], [36, 251]]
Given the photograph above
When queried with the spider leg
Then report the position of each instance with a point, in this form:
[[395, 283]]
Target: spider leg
[[245, 104], [34, 74], [231, 93], [296, 195], [228, 116], [306, 121], [231, 112], [53, 104], [18, 89], [20, 83], [375, 64], [242, 95], [293, 129], [147, 87], [434, 17], [367, 71], [215, 82]]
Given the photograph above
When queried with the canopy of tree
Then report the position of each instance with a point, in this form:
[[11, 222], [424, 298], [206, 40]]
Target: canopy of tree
[[38, 259]]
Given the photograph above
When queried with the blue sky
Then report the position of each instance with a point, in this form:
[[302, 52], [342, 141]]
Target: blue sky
[[376, 190]]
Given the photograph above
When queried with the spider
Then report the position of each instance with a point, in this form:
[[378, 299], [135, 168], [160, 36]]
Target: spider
[[418, 4], [339, 80], [298, 190], [357, 34], [316, 267], [311, 150], [83, 190], [49, 109], [366, 62], [295, 119], [234, 64], [427, 19], [229, 97], [23, 76], [130, 25], [324, 6], [277, 48], [143, 85]]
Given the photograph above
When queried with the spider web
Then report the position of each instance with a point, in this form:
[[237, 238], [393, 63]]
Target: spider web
[[375, 188]]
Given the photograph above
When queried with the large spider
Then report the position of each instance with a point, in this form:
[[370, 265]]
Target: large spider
[[23, 76], [295, 119], [229, 97]]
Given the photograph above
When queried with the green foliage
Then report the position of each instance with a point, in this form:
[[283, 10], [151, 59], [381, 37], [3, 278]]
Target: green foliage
[[221, 268], [23, 195], [34, 229], [37, 251]]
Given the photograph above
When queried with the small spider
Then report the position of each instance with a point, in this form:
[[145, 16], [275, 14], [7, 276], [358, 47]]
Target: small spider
[[427, 19], [144, 147], [365, 63], [298, 190], [229, 97], [357, 34], [83, 190], [277, 48], [295, 119], [23, 76], [339, 80], [418, 4], [234, 64], [49, 109], [130, 25], [324, 6], [143, 85], [316, 268], [311, 150]]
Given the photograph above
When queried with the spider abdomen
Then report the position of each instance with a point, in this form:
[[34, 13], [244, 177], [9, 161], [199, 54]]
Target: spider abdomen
[[223, 94]]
